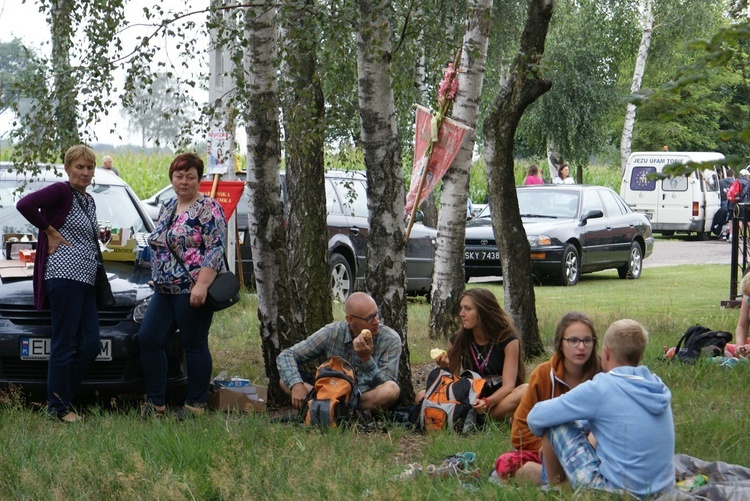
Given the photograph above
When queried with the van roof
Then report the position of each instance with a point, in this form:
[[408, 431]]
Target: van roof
[[695, 156]]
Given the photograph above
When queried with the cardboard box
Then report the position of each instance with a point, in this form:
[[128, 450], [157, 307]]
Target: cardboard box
[[231, 383], [13, 244], [125, 252], [250, 398]]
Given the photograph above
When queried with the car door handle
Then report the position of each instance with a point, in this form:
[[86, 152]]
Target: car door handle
[[354, 231]]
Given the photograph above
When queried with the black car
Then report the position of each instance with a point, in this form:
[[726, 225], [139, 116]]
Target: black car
[[348, 225], [25, 332], [572, 229]]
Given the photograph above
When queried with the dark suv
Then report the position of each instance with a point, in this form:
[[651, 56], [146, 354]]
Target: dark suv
[[348, 225], [25, 332]]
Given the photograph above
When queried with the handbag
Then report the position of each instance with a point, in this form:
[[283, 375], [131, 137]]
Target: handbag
[[104, 296], [224, 291]]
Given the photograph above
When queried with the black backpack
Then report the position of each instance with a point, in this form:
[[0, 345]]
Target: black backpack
[[699, 338]]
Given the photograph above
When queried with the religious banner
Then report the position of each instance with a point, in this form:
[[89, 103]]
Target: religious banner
[[450, 135], [218, 150], [228, 194]]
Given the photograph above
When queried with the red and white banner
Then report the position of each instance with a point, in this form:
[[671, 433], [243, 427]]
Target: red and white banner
[[228, 194], [449, 139]]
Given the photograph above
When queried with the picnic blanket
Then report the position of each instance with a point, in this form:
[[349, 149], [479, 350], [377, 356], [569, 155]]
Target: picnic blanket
[[725, 481]]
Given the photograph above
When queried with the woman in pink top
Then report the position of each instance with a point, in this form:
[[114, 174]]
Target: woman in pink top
[[533, 176]]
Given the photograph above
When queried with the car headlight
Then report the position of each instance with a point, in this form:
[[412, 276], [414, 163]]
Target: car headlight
[[539, 240], [140, 310]]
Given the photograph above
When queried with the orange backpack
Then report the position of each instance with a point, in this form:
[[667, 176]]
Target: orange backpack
[[447, 403], [335, 396]]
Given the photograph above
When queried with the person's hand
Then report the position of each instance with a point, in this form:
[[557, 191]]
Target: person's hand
[[362, 348], [55, 240], [198, 293], [742, 351], [443, 362], [299, 394], [481, 405]]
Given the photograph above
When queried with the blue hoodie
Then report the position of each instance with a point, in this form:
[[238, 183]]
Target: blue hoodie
[[628, 410]]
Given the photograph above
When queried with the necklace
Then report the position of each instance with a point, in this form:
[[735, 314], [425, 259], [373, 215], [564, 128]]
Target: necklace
[[481, 358]]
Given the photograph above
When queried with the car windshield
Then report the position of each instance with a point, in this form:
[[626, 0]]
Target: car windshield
[[548, 203], [542, 203], [113, 205]]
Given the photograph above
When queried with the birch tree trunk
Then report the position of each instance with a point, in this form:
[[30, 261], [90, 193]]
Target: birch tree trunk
[[523, 86], [266, 225], [448, 279], [307, 230], [626, 142], [65, 92], [385, 276]]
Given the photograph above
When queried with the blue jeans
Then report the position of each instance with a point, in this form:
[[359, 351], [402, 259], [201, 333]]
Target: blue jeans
[[75, 340], [165, 313]]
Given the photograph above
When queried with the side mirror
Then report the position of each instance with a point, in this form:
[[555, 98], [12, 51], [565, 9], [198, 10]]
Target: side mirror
[[592, 214], [419, 216]]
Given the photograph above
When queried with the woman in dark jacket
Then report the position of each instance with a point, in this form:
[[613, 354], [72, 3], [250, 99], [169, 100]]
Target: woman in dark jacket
[[64, 276]]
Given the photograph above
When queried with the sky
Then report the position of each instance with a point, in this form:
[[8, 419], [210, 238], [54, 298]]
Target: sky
[[23, 20]]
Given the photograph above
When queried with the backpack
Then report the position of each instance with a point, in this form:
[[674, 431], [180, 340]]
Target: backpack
[[447, 403], [699, 338], [738, 191], [334, 397]]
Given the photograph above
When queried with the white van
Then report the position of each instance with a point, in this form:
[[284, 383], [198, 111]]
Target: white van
[[685, 204]]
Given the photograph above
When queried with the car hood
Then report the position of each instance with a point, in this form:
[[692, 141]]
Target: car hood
[[129, 285], [482, 228]]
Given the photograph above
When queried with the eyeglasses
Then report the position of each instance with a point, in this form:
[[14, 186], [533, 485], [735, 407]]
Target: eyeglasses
[[368, 319], [573, 342]]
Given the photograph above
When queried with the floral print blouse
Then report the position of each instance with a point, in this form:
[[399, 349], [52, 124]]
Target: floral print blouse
[[197, 236]]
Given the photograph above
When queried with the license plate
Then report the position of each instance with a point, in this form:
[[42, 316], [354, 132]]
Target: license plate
[[482, 256], [37, 348]]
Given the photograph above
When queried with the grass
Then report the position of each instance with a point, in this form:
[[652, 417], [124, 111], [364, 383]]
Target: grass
[[114, 454]]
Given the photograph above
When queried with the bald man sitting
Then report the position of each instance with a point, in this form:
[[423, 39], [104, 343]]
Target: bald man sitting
[[375, 362]]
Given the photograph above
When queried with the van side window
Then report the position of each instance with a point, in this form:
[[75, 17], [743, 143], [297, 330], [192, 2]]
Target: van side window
[[639, 180], [679, 183]]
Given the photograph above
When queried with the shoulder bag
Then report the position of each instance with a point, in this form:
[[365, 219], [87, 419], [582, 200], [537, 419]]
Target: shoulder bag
[[104, 296], [224, 291]]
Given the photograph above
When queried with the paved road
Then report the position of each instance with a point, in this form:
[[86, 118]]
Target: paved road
[[682, 250], [672, 251]]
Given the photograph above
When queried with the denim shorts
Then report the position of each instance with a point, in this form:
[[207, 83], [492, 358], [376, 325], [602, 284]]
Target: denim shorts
[[577, 457]]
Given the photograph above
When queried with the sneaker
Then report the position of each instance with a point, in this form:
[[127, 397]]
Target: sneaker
[[148, 410], [70, 417], [411, 472], [188, 411]]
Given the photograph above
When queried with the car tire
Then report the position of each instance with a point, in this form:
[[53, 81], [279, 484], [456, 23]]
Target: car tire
[[342, 278], [570, 268], [632, 270]]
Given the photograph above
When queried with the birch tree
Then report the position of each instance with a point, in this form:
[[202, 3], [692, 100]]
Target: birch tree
[[304, 127], [523, 86], [448, 278], [266, 225], [626, 141], [385, 276]]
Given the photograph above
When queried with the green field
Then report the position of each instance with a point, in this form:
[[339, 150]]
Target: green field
[[114, 454]]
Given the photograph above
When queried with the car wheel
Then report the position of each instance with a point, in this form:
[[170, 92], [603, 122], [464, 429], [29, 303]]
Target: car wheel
[[342, 279], [632, 270], [570, 269]]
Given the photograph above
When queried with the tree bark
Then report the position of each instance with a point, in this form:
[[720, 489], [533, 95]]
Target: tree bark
[[65, 93], [304, 125], [266, 224], [385, 277], [626, 142], [523, 87], [449, 278]]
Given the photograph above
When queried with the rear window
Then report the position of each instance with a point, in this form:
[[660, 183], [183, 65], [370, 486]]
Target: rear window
[[640, 180]]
